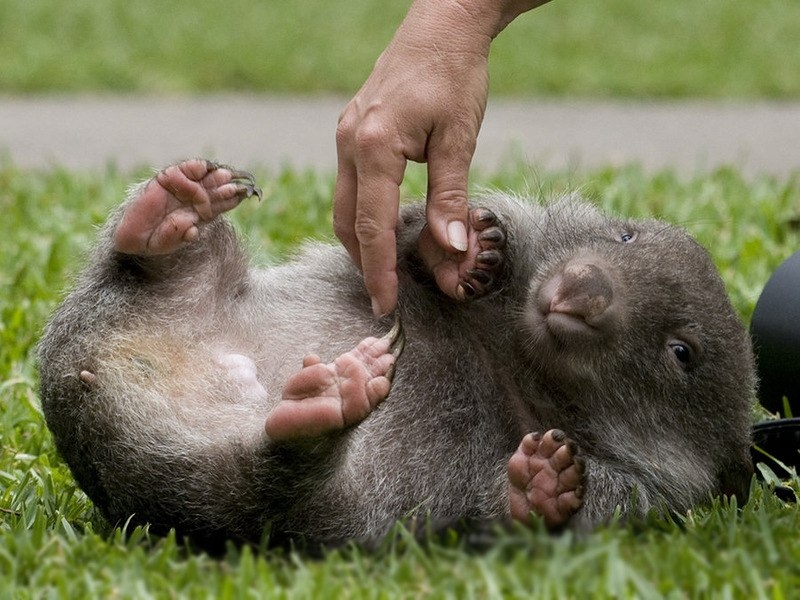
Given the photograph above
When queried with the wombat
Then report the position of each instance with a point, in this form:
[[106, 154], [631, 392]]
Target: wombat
[[582, 366]]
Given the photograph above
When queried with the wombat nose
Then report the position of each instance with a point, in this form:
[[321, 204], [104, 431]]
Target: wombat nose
[[581, 290]]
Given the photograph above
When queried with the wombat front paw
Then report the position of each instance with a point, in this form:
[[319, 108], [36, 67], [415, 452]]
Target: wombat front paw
[[326, 398], [475, 272], [487, 251], [545, 477], [170, 208]]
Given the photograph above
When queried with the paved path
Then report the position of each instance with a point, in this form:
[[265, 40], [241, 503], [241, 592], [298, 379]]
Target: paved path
[[91, 132]]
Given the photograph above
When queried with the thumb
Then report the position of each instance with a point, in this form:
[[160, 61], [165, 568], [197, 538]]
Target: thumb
[[447, 211]]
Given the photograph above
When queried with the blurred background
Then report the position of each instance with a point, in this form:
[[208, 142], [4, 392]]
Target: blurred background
[[720, 49], [576, 83], [684, 109]]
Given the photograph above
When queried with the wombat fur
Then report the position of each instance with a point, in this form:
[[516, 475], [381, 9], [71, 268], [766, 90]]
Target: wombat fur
[[657, 396]]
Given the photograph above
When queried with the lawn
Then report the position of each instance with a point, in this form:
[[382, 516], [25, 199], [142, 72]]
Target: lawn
[[52, 544], [613, 48]]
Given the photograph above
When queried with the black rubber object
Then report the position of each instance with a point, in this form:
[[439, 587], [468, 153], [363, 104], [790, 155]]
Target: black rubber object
[[780, 439], [775, 329]]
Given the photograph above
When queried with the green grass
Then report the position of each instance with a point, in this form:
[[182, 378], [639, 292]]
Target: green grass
[[616, 48], [52, 544]]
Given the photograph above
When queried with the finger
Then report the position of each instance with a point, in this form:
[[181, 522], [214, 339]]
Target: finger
[[378, 204], [447, 210], [380, 165], [346, 191]]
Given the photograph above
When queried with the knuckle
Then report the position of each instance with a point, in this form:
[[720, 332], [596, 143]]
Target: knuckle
[[345, 128], [369, 139], [371, 134], [448, 201], [363, 124], [368, 230], [449, 197]]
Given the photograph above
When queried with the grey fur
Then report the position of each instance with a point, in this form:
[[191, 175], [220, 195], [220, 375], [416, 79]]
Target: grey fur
[[163, 435]]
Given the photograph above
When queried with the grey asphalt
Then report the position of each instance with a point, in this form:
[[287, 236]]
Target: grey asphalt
[[91, 132]]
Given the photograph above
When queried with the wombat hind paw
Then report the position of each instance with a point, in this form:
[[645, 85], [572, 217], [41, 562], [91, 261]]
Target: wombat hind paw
[[326, 398], [172, 206], [545, 478]]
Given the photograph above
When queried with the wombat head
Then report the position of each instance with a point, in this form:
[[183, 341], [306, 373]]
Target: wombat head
[[623, 311]]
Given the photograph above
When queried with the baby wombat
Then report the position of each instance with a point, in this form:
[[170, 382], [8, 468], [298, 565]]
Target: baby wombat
[[186, 389]]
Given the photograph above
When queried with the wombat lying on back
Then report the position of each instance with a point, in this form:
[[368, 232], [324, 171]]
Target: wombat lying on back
[[613, 339]]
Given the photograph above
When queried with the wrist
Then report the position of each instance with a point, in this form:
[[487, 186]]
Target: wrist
[[472, 19], [511, 9]]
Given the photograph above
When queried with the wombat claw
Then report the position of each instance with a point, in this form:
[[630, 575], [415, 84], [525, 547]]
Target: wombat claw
[[481, 279], [397, 343], [245, 179]]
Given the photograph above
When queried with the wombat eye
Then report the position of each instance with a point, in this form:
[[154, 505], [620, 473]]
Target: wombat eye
[[682, 352], [627, 238]]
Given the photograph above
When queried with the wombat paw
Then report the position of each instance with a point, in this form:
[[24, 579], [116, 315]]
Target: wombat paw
[[326, 398], [545, 478], [486, 253], [172, 206], [475, 272]]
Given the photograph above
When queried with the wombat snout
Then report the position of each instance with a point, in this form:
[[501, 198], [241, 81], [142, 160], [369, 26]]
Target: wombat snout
[[579, 299]]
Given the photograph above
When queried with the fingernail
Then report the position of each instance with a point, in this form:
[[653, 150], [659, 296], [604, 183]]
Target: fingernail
[[376, 308], [457, 235]]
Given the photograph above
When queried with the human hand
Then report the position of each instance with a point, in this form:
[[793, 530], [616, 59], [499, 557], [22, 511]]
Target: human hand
[[424, 101]]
